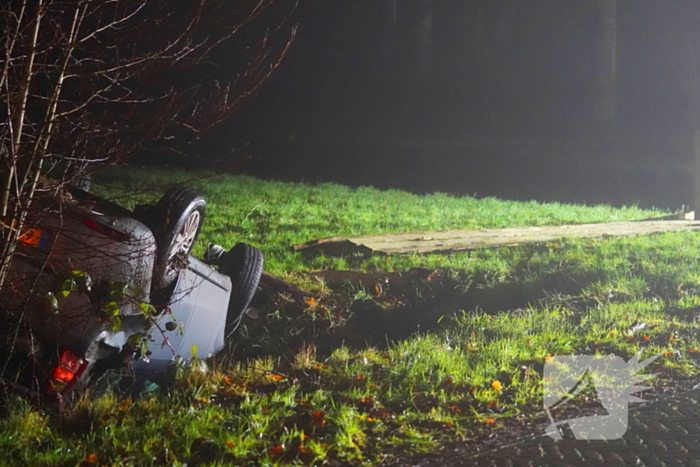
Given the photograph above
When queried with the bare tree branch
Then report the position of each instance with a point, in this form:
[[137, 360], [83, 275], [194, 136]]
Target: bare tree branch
[[86, 83]]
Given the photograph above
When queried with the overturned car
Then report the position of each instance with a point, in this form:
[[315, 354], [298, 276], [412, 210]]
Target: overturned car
[[93, 284]]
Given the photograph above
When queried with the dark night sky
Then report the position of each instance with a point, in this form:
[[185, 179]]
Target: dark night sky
[[506, 108]]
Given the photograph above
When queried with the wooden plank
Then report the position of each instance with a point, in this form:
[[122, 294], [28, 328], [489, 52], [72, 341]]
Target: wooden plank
[[456, 240]]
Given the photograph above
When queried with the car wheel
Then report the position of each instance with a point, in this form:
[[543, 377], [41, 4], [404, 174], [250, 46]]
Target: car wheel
[[176, 221], [244, 265]]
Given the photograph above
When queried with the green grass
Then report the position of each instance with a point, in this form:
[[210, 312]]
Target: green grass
[[275, 215], [362, 375]]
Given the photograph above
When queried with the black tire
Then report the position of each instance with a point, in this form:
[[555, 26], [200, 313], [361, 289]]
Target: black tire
[[244, 265], [175, 222]]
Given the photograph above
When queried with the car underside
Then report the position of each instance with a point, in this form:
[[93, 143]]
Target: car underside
[[93, 284]]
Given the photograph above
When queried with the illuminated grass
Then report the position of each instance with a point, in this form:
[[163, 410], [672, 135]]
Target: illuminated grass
[[302, 385], [275, 215]]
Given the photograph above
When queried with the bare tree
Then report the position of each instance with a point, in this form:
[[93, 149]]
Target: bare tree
[[87, 83]]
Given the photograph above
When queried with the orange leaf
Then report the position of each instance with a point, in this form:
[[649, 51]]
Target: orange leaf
[[276, 377], [277, 450], [91, 458], [497, 386], [311, 301], [230, 444], [645, 337], [490, 420]]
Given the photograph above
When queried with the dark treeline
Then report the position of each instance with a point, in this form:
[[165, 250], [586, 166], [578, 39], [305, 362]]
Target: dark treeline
[[419, 93]]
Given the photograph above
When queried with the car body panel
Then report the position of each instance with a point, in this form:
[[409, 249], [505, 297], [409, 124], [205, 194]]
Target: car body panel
[[110, 245], [198, 305], [75, 246]]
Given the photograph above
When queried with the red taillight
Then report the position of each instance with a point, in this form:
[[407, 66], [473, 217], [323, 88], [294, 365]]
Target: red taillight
[[104, 230], [67, 372]]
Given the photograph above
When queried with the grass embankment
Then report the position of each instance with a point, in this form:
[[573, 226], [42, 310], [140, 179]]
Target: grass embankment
[[362, 374]]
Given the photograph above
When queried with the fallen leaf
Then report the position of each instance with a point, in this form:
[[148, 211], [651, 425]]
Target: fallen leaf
[[277, 450]]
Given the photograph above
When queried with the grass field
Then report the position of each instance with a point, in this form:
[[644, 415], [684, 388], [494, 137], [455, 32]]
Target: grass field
[[365, 375]]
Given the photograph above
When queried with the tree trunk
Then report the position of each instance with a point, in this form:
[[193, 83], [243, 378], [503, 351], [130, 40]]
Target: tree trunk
[[12, 219]]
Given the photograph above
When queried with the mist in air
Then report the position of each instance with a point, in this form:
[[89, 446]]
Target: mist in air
[[557, 100]]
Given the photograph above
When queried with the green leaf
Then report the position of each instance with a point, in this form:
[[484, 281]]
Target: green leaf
[[112, 308], [116, 324], [147, 309], [194, 351], [68, 286], [135, 339], [117, 290], [52, 302], [83, 280]]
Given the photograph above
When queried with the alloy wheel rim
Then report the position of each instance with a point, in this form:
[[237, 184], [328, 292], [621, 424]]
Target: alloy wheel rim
[[185, 237]]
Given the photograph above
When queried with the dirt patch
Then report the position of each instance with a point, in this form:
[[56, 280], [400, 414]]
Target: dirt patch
[[375, 309]]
